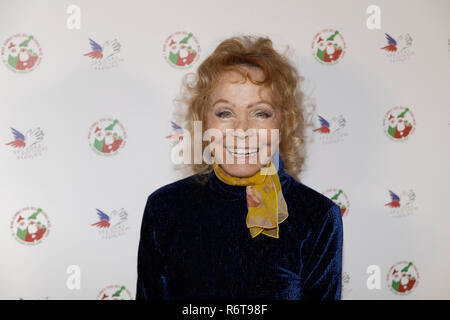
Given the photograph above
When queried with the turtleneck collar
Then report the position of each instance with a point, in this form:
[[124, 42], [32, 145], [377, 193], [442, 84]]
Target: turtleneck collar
[[235, 192]]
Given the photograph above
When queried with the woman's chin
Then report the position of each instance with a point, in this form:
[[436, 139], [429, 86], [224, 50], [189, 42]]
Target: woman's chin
[[241, 170]]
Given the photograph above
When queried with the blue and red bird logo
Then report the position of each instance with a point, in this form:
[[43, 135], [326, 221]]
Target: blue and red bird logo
[[26, 140], [177, 132], [392, 44], [324, 126], [103, 220], [395, 200], [108, 49], [114, 219]]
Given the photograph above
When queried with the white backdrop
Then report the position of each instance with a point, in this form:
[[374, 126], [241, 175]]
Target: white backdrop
[[62, 97]]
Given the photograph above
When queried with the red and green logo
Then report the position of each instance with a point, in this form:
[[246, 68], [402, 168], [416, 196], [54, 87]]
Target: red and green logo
[[181, 49], [399, 123], [21, 53], [340, 198], [403, 278], [30, 226], [328, 46], [107, 136], [115, 292]]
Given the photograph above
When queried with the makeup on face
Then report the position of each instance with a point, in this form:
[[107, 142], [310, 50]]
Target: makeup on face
[[246, 120]]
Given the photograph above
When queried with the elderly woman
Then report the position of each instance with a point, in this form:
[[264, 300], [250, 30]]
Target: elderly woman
[[241, 226]]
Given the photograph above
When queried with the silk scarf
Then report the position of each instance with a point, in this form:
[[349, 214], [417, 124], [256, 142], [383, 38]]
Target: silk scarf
[[265, 202]]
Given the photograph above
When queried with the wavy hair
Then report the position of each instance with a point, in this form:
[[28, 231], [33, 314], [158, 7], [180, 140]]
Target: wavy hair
[[280, 76]]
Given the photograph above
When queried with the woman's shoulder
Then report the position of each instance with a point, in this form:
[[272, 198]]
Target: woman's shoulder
[[310, 204], [180, 190], [180, 187]]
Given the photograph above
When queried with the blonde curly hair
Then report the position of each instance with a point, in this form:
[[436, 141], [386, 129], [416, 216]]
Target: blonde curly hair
[[281, 77]]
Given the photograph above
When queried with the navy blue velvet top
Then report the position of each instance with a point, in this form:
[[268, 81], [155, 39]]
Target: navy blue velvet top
[[194, 244]]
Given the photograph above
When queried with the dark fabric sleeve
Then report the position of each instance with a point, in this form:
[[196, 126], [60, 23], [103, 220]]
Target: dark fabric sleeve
[[324, 271], [152, 278]]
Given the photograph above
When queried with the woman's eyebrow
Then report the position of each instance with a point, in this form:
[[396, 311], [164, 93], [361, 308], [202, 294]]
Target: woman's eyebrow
[[249, 106]]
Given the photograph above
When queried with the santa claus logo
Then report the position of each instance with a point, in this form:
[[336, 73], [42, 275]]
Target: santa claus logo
[[30, 226], [340, 198], [328, 46], [115, 292], [107, 136], [181, 49], [402, 278], [21, 53], [399, 123]]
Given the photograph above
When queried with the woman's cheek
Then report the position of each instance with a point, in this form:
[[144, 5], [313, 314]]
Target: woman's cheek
[[273, 138], [268, 144]]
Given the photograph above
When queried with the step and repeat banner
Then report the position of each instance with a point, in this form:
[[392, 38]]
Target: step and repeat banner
[[88, 90]]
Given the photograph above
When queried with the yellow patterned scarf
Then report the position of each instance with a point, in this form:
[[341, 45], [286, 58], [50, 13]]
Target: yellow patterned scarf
[[265, 202]]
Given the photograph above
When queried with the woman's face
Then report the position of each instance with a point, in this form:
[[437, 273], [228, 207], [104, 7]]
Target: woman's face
[[241, 114]]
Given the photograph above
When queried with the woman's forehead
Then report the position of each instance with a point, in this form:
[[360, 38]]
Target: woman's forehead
[[233, 83], [255, 73], [240, 94]]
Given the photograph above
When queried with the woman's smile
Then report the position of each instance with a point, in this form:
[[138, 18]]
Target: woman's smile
[[242, 153]]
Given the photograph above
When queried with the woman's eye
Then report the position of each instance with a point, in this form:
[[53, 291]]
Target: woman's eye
[[223, 114], [264, 115]]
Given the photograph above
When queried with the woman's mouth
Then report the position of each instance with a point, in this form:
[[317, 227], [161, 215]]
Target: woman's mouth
[[242, 152]]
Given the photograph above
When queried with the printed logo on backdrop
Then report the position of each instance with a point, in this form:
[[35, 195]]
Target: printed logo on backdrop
[[340, 198], [399, 123], [403, 205], [332, 131], [402, 278], [398, 49], [104, 56], [107, 136], [181, 49], [111, 225], [21, 53], [28, 145], [30, 226], [346, 289], [177, 133], [328, 46], [115, 292]]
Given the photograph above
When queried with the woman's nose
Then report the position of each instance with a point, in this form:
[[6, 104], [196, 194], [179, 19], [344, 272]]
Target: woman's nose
[[241, 124]]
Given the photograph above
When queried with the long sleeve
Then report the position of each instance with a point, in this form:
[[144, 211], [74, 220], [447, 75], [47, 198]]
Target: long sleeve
[[152, 278], [323, 278]]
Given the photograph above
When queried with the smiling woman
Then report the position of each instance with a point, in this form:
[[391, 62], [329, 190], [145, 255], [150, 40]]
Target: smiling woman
[[240, 120], [242, 71], [242, 226]]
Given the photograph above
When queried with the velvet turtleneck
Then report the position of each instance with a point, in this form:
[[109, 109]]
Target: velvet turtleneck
[[194, 244]]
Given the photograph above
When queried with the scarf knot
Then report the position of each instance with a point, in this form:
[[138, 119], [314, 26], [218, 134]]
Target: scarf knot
[[265, 202]]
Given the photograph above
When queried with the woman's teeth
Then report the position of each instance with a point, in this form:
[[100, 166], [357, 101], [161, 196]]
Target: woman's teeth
[[242, 152]]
